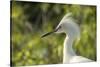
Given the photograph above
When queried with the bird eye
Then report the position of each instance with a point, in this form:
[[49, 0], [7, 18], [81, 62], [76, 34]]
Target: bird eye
[[59, 27]]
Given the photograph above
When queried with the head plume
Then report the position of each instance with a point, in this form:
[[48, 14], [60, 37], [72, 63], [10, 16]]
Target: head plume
[[68, 15]]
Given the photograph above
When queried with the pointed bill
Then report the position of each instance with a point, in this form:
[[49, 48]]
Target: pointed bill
[[46, 34], [51, 32]]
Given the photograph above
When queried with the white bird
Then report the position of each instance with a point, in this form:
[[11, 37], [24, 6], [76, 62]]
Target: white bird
[[68, 26]]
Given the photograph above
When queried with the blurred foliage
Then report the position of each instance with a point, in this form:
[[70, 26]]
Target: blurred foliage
[[30, 20]]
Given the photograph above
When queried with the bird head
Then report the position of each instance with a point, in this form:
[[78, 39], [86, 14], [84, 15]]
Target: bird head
[[67, 25]]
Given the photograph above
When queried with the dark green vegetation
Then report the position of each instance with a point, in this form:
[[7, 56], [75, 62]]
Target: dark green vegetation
[[30, 20]]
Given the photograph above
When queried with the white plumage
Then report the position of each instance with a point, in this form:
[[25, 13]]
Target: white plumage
[[68, 26], [72, 31]]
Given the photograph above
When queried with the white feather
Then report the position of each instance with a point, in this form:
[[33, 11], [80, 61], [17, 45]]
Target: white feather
[[72, 31]]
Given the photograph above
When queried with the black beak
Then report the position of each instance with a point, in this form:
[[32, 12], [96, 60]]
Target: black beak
[[50, 32], [47, 34]]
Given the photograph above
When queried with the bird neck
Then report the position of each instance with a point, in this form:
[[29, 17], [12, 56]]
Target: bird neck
[[68, 51]]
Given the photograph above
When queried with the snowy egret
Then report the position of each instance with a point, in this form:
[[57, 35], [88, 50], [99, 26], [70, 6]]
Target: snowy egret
[[68, 26]]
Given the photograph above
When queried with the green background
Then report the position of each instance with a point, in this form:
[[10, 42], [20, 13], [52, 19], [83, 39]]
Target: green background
[[30, 20]]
